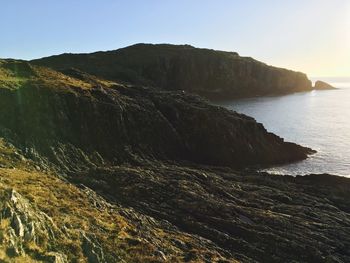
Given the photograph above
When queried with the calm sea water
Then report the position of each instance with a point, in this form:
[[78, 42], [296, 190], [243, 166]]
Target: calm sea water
[[317, 119]]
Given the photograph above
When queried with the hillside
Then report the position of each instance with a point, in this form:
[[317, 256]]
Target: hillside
[[47, 219], [57, 116], [92, 170], [209, 73]]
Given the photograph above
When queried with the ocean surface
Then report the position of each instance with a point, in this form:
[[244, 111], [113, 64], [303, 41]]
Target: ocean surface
[[317, 119]]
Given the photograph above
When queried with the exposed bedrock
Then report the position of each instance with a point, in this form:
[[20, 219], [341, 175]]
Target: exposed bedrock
[[255, 217], [133, 124]]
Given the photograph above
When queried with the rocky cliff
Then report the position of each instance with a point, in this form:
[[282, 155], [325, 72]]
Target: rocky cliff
[[64, 118], [96, 171], [209, 73]]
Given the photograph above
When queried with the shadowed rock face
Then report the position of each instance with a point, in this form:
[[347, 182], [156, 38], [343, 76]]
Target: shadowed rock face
[[118, 123], [209, 73]]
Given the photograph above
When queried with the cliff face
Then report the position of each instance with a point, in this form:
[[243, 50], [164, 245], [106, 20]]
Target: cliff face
[[61, 116], [209, 73], [95, 171]]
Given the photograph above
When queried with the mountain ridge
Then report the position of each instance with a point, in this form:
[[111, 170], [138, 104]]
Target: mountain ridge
[[210, 73]]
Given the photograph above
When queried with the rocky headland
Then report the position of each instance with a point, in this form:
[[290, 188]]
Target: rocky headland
[[57, 116], [210, 73], [94, 170]]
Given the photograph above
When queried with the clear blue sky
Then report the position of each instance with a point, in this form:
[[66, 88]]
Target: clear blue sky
[[307, 35]]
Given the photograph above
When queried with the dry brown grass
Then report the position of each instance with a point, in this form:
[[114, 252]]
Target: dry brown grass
[[72, 209], [36, 75]]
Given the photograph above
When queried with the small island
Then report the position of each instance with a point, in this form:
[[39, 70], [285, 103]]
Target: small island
[[321, 85]]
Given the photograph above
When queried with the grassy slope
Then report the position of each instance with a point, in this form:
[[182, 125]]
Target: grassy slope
[[130, 237], [122, 233], [15, 74], [209, 73]]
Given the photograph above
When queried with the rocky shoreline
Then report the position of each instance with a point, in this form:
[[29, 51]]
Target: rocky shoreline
[[254, 217], [95, 122], [124, 173]]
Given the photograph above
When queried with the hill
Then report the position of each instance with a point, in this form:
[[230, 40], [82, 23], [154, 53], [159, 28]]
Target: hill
[[59, 116], [92, 170], [209, 73]]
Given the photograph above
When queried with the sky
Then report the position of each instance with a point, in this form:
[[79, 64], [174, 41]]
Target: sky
[[312, 36]]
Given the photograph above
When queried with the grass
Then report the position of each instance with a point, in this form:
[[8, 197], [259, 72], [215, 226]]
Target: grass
[[15, 74], [67, 205], [134, 238], [74, 210], [9, 79], [69, 208]]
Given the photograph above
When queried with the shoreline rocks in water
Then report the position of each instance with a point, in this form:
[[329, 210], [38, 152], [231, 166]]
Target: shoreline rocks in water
[[321, 85]]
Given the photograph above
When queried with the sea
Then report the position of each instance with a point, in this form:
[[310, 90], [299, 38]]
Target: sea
[[316, 119]]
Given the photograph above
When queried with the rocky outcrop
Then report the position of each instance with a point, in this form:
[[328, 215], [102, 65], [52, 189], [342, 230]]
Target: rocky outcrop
[[92, 123], [162, 212], [23, 227], [148, 178], [46, 219], [321, 85], [209, 73], [255, 217]]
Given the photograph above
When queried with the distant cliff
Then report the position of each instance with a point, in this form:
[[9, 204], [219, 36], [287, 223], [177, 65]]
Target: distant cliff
[[209, 73]]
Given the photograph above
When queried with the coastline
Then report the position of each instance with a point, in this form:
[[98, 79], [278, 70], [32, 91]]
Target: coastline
[[129, 172], [306, 118]]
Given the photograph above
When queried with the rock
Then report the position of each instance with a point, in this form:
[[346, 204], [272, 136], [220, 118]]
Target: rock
[[160, 167], [17, 226], [27, 224], [321, 85], [54, 257], [161, 255], [264, 218], [92, 249], [180, 244], [209, 73], [133, 241], [85, 226], [78, 128]]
